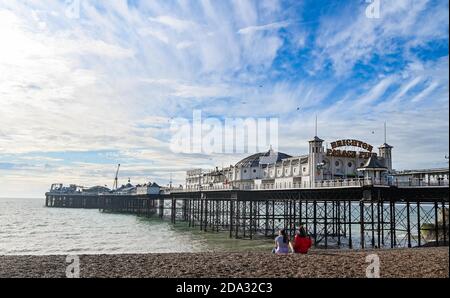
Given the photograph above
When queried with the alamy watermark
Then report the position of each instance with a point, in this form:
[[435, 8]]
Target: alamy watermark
[[73, 269], [373, 269], [373, 9], [228, 135], [73, 8]]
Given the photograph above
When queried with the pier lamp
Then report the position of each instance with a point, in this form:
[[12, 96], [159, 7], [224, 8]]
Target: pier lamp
[[320, 165]]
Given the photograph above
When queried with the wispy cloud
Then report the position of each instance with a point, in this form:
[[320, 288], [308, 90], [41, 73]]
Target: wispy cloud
[[79, 95], [174, 23], [271, 26]]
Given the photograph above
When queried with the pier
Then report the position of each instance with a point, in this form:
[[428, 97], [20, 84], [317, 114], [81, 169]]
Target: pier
[[350, 215]]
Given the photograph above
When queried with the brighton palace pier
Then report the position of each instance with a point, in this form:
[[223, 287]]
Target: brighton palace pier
[[348, 162], [346, 196]]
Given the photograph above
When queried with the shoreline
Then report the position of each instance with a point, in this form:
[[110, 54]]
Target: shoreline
[[402, 262]]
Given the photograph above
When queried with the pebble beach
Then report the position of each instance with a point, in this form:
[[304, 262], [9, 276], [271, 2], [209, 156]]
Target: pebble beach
[[415, 262]]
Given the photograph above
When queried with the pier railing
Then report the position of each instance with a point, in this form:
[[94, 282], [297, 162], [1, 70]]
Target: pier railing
[[338, 183], [280, 186]]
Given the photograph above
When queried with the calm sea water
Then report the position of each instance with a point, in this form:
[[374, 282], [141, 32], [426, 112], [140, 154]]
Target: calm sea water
[[27, 227]]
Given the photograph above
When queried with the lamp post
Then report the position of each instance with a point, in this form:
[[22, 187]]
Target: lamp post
[[320, 166]]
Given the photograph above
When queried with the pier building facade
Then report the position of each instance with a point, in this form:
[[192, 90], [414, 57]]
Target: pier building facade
[[347, 159]]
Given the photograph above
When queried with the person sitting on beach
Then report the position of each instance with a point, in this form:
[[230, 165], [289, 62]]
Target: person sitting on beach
[[281, 243], [302, 242]]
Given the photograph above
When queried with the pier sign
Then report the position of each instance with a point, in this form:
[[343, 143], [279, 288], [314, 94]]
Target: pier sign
[[352, 143], [350, 153]]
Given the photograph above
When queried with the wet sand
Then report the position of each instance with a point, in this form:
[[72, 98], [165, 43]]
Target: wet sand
[[415, 262]]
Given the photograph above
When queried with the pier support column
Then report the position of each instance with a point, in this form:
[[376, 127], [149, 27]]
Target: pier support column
[[273, 218], [379, 223], [382, 221], [161, 208], [251, 220], [408, 223], [295, 214], [361, 214], [174, 210], [306, 218], [300, 203], [444, 223], [338, 222], [237, 219], [244, 216], [350, 244], [315, 222], [205, 223], [189, 214], [372, 222], [201, 214], [266, 216], [436, 223], [325, 225], [231, 218], [419, 232], [392, 224]]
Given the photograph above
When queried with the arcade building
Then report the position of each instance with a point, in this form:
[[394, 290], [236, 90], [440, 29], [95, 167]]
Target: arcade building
[[347, 159]]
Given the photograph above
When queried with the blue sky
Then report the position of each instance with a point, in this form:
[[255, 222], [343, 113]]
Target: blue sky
[[81, 93]]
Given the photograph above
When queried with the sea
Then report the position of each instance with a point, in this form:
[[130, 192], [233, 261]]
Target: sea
[[27, 227]]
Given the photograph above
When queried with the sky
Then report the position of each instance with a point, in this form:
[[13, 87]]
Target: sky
[[85, 84]]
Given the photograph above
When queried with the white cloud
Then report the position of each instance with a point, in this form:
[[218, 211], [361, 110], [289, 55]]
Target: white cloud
[[114, 78], [184, 45], [267, 27], [174, 23], [349, 38], [154, 33], [422, 95], [408, 87], [376, 92]]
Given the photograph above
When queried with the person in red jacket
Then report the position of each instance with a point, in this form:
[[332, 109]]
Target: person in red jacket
[[302, 242]]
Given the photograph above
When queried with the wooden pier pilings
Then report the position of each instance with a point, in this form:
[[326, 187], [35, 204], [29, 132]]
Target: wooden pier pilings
[[366, 217]]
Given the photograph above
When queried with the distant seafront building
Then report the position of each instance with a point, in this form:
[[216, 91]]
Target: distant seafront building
[[423, 176], [126, 189], [347, 159]]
